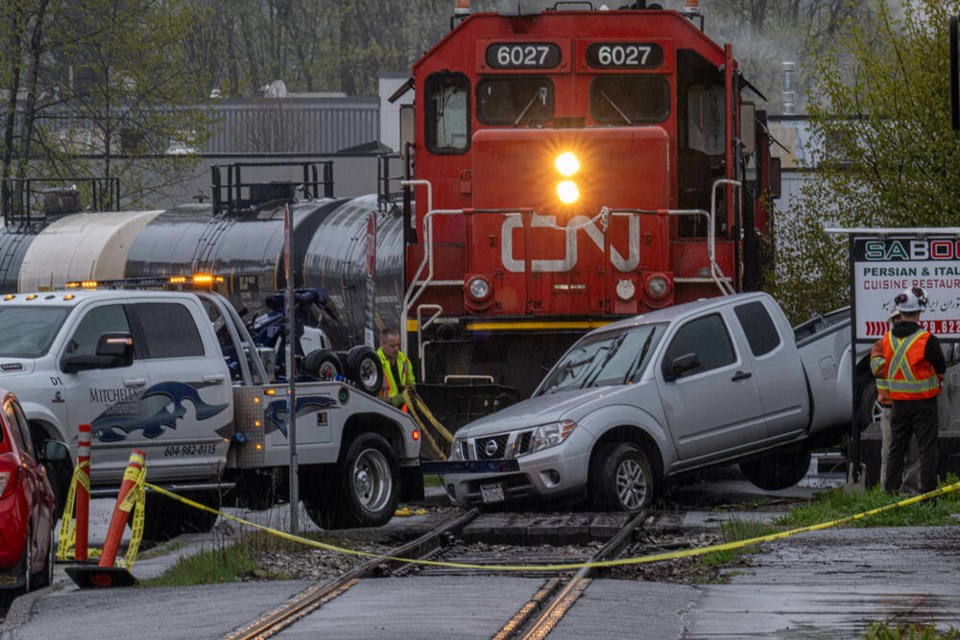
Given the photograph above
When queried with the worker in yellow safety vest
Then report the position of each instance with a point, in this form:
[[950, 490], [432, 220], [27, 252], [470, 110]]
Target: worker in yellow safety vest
[[914, 369], [397, 372]]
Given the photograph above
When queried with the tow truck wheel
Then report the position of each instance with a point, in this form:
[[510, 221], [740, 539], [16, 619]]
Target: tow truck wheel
[[621, 478], [364, 368], [779, 469], [323, 365], [366, 485]]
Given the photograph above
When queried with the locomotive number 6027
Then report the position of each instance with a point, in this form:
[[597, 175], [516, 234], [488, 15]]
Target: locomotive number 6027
[[624, 55], [523, 55]]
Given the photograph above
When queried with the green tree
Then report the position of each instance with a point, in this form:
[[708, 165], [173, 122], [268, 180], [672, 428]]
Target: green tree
[[96, 88], [884, 153]]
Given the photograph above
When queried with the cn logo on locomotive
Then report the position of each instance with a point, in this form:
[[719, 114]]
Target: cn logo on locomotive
[[513, 264]]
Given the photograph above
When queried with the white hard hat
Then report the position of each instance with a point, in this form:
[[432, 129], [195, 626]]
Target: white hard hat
[[911, 300]]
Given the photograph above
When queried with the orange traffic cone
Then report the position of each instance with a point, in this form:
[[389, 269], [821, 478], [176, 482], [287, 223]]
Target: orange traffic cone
[[105, 574]]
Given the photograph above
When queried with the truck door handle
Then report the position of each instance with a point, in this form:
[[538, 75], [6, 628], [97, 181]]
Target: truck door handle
[[213, 378], [741, 375], [135, 382]]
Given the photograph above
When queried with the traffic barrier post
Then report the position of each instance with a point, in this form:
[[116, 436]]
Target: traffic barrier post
[[105, 574]]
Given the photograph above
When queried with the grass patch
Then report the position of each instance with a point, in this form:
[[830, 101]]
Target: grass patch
[[228, 563], [432, 480], [733, 530], [838, 503], [882, 631]]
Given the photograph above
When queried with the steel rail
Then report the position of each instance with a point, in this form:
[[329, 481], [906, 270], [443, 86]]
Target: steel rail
[[560, 601], [317, 595]]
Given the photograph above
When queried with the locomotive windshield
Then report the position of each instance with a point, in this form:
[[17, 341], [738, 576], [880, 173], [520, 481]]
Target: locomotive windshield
[[603, 359], [515, 101], [626, 100], [27, 332], [448, 109]]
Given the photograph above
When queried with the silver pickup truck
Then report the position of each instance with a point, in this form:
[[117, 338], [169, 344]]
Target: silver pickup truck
[[641, 400]]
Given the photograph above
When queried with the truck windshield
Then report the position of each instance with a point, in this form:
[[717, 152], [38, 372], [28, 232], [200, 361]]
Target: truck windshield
[[604, 359], [28, 332]]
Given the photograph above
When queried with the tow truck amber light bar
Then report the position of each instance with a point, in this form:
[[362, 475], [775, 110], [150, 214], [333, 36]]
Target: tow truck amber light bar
[[199, 280]]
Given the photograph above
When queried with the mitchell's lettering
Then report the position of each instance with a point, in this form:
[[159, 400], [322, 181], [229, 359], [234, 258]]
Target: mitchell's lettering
[[110, 396]]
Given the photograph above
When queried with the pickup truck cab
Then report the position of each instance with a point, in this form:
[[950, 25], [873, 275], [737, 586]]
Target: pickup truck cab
[[177, 375], [642, 400]]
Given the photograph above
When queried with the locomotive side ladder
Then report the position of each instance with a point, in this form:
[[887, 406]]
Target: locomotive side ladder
[[421, 281]]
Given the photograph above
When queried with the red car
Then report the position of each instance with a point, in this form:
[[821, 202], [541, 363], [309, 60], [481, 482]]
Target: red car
[[28, 511]]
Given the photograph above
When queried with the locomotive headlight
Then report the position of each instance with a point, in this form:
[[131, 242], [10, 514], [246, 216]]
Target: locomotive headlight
[[567, 164], [658, 286], [567, 192], [478, 288]]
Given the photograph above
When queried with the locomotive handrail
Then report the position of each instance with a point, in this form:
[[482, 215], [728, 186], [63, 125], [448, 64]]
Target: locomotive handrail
[[421, 325], [711, 238], [716, 274]]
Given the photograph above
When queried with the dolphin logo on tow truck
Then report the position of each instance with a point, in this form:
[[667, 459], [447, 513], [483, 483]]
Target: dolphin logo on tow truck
[[111, 427]]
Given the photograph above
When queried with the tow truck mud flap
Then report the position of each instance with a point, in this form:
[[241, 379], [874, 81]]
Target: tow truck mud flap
[[470, 466], [94, 577]]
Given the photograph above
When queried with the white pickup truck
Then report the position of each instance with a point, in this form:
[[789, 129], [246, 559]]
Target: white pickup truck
[[177, 375], [643, 400]]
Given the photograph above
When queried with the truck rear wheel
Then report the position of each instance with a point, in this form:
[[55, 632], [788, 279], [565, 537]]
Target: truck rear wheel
[[779, 469], [365, 488], [364, 368], [621, 478]]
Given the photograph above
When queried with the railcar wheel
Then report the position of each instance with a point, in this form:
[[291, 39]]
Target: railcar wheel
[[621, 478], [779, 469], [365, 487], [364, 368], [323, 365]]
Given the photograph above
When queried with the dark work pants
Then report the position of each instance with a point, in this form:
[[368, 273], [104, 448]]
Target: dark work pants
[[911, 417]]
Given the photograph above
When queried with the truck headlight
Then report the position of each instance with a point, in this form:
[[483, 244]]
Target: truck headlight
[[456, 449], [550, 435]]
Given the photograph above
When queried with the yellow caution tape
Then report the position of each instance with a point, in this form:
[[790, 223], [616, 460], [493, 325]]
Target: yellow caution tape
[[135, 500], [406, 512], [68, 524], [578, 565]]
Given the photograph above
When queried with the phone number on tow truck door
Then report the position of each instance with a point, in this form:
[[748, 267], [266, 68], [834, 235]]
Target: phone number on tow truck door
[[190, 450]]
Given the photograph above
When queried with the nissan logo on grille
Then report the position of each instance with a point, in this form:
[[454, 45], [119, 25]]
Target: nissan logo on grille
[[490, 448]]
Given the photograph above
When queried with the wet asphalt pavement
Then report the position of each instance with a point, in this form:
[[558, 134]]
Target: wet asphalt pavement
[[825, 584]]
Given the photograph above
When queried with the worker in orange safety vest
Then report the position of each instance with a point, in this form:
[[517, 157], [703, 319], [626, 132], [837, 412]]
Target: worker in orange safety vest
[[911, 472], [397, 372], [914, 369]]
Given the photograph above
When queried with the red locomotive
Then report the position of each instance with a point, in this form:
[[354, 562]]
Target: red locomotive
[[574, 167]]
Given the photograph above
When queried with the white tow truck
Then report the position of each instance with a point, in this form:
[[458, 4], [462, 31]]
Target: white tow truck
[[178, 375]]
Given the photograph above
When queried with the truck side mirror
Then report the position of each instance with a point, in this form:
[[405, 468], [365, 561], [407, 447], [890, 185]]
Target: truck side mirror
[[680, 366], [114, 350], [54, 451]]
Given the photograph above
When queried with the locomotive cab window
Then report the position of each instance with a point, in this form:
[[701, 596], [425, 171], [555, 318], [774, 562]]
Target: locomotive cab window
[[515, 101], [448, 113], [626, 100]]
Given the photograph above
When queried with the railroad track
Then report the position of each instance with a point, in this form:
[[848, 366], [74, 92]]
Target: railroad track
[[533, 618]]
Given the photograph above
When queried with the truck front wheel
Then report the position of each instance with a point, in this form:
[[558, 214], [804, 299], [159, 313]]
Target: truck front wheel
[[366, 487], [621, 478], [779, 469]]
